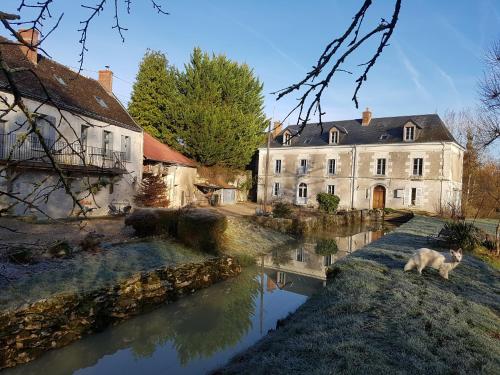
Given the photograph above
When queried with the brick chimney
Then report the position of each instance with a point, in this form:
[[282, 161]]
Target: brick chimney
[[367, 117], [30, 37], [277, 128], [106, 80]]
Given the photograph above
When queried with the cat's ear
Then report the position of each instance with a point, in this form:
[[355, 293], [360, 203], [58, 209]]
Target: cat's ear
[[452, 252], [459, 251]]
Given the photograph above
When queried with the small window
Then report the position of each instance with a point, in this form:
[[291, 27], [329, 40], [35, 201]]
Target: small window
[[328, 260], [60, 80], [84, 135], [299, 255], [276, 189], [303, 166], [418, 166], [331, 166], [330, 189], [126, 147], [381, 167], [107, 143], [101, 102], [277, 166], [280, 278], [334, 137], [409, 133], [384, 137], [287, 139], [413, 196]]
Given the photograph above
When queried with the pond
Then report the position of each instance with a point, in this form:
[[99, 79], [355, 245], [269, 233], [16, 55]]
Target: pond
[[201, 332]]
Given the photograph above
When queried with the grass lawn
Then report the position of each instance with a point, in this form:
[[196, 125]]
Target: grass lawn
[[372, 318]]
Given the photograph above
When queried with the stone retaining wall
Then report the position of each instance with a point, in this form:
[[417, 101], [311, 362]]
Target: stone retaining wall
[[319, 221], [47, 324]]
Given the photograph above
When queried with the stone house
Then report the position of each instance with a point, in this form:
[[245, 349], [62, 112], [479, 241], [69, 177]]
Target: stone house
[[178, 171], [404, 162], [87, 131]]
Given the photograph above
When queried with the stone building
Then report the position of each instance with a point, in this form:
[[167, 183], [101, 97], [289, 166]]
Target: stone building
[[81, 127], [178, 171], [410, 162]]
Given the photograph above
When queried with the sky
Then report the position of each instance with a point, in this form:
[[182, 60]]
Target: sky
[[433, 63]]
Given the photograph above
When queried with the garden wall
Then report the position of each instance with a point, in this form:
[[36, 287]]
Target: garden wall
[[318, 221], [51, 323]]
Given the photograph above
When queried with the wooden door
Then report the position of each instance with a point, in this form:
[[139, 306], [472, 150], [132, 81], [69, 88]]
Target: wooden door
[[379, 197]]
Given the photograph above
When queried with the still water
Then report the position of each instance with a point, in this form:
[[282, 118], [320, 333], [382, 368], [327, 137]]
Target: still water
[[201, 332]]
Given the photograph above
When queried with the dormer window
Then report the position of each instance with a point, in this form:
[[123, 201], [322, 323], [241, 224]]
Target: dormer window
[[287, 139], [334, 137], [101, 102], [409, 133]]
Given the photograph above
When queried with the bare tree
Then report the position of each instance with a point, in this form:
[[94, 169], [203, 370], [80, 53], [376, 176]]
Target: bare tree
[[489, 90], [332, 60]]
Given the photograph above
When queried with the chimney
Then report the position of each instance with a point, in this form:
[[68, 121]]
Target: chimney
[[106, 80], [367, 117], [277, 128], [30, 37]]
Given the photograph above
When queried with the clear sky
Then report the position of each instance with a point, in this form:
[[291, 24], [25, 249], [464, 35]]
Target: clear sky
[[432, 64]]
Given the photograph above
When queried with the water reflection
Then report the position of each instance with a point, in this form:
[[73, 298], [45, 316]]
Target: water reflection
[[202, 332]]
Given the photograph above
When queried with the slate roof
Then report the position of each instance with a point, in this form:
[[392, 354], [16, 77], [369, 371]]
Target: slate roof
[[155, 150], [382, 130], [69, 90]]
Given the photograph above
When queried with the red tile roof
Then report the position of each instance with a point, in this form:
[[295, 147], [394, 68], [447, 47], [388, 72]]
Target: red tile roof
[[156, 151]]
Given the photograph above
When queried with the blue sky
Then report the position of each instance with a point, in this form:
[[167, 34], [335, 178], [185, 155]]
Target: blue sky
[[433, 63]]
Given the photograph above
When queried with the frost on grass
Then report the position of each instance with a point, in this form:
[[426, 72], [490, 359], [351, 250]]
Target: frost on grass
[[374, 318]]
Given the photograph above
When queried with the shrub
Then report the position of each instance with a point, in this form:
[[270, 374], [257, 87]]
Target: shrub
[[462, 234], [282, 210], [388, 210], [326, 247], [328, 202]]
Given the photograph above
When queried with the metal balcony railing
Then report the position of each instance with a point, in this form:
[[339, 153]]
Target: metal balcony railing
[[28, 150], [303, 170]]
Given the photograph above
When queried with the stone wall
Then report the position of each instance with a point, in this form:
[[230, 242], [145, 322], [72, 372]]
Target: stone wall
[[319, 221], [47, 324]]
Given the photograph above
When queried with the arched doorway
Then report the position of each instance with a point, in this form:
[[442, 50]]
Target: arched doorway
[[379, 196], [302, 193]]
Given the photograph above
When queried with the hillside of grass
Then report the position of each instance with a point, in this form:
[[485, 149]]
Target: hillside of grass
[[373, 318]]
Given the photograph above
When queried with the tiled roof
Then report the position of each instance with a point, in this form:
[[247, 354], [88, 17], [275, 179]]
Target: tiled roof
[[381, 130], [154, 150], [69, 90]]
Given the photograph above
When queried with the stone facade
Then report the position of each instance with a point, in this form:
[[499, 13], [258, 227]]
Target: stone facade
[[355, 176], [52, 323]]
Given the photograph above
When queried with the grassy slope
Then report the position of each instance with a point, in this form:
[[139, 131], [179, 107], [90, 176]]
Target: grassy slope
[[374, 318]]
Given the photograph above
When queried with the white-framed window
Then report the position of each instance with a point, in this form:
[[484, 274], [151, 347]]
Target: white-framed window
[[328, 260], [276, 189], [418, 165], [409, 133], [302, 190], [287, 139], [277, 166], [334, 137], [299, 255], [126, 147], [304, 164], [107, 142], [331, 166], [381, 163], [330, 189], [280, 278]]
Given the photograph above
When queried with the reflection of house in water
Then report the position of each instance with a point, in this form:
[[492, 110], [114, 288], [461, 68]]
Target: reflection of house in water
[[302, 268]]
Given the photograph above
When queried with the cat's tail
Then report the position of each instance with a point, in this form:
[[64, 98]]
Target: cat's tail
[[410, 265]]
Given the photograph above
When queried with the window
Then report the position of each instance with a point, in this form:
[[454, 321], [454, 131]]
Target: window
[[381, 167], [287, 139], [276, 189], [331, 166], [328, 260], [330, 189], [302, 190], [417, 166], [280, 278], [299, 254], [101, 102], [277, 166], [107, 143], [413, 196], [334, 137], [409, 133], [303, 166], [60, 80], [84, 135], [126, 147]]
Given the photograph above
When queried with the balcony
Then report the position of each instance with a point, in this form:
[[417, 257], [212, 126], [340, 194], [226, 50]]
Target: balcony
[[27, 152], [303, 170]]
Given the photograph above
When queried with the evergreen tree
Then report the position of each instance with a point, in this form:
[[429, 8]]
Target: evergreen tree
[[222, 119], [154, 95], [152, 192]]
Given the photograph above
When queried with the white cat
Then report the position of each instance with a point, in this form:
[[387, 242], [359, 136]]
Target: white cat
[[429, 258]]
